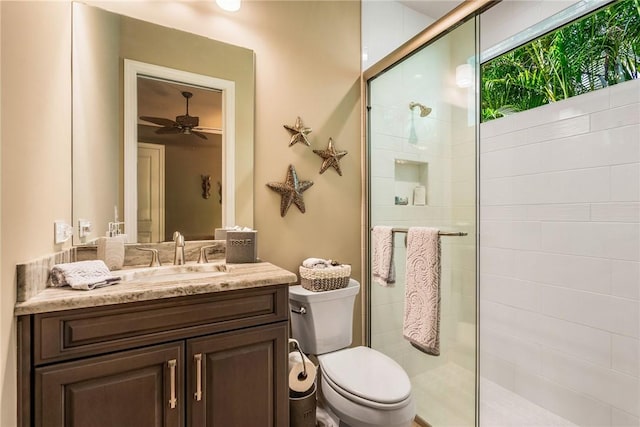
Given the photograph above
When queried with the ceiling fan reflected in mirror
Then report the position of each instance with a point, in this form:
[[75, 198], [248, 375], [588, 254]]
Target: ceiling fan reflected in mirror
[[184, 124]]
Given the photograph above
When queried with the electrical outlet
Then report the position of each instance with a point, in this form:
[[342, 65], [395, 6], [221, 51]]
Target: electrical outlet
[[61, 232]]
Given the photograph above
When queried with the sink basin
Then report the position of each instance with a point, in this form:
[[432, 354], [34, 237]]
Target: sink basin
[[170, 273]]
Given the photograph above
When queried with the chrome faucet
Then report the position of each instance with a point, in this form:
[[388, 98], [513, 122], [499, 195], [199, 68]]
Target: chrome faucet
[[178, 257]]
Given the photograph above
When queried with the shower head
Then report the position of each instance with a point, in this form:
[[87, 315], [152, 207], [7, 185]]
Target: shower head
[[424, 111]]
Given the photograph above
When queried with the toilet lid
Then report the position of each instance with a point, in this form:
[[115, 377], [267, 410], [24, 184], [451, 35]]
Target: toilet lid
[[368, 374]]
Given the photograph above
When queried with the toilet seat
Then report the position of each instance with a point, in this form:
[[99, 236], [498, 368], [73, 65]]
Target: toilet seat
[[367, 377]]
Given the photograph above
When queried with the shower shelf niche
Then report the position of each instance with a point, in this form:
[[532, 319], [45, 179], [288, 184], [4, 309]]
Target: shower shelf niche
[[409, 174]]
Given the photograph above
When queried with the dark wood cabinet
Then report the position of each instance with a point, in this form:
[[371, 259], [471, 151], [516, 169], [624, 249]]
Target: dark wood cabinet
[[127, 389], [216, 360], [236, 377]]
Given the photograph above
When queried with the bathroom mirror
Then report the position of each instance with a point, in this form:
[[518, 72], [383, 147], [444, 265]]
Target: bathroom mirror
[[109, 52]]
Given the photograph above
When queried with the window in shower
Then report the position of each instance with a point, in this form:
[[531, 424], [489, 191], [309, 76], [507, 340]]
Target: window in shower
[[595, 51]]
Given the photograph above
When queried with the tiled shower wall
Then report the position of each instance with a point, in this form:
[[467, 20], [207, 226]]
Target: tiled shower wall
[[560, 255]]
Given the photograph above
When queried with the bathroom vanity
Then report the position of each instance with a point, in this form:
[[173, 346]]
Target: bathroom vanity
[[204, 351]]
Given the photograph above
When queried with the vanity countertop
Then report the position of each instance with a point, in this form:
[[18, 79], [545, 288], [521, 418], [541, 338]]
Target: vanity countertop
[[236, 276]]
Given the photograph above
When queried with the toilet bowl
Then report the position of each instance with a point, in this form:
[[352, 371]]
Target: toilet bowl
[[362, 386]]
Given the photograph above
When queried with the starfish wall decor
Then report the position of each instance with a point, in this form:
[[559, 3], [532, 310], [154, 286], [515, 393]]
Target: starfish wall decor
[[298, 133], [291, 191], [331, 157]]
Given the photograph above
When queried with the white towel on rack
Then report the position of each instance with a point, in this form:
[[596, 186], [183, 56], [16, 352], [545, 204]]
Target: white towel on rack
[[422, 291], [382, 255]]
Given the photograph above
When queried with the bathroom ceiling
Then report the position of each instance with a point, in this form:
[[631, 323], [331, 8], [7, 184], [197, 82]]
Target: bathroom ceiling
[[435, 9], [160, 98]]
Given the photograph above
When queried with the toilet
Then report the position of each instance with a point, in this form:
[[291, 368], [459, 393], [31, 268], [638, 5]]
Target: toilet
[[360, 385]]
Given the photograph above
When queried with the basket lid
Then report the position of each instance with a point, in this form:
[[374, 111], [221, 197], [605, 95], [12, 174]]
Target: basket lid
[[300, 294]]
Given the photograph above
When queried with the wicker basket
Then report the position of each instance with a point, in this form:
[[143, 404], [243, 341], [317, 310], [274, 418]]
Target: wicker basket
[[325, 279]]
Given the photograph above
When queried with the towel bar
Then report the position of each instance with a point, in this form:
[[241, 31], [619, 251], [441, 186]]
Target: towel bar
[[442, 233]]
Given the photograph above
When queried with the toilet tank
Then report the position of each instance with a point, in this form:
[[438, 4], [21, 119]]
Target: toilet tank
[[326, 323]]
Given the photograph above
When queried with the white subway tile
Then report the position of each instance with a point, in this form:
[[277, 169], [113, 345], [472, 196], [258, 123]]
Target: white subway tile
[[498, 213], [616, 117], [497, 261], [382, 163], [498, 127], [625, 93], [567, 403], [583, 342], [605, 240], [384, 192], [514, 350], [613, 314], [557, 212], [495, 316], [625, 279], [523, 160], [608, 147], [616, 212], [625, 183], [510, 291], [501, 140], [603, 384], [497, 370], [496, 234], [621, 418], [496, 191], [624, 355], [575, 186], [559, 129], [576, 272]]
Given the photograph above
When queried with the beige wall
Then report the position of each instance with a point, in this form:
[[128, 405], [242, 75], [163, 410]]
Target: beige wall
[[36, 156], [307, 64], [185, 208]]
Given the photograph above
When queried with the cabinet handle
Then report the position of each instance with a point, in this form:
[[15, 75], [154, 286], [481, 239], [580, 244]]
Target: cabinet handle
[[198, 394], [172, 373]]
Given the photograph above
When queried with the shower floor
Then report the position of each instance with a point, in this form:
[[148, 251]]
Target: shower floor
[[499, 407]]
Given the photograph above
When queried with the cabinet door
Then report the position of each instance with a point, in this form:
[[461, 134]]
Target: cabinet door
[[239, 379], [126, 389]]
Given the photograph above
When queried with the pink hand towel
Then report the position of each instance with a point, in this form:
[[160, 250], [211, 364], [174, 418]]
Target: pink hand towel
[[422, 291], [382, 255]]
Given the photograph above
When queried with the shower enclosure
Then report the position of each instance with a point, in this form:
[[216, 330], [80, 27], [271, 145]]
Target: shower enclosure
[[540, 300], [422, 172]]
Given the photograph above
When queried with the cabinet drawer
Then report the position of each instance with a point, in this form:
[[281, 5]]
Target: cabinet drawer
[[88, 331]]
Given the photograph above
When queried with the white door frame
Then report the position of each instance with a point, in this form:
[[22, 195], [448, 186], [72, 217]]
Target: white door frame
[[132, 69]]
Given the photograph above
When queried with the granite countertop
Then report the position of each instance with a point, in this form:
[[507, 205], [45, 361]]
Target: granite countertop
[[230, 277]]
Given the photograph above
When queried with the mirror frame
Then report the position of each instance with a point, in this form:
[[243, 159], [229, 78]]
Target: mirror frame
[[133, 69]]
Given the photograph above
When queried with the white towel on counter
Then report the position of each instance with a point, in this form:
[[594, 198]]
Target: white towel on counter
[[85, 275], [382, 255], [422, 291]]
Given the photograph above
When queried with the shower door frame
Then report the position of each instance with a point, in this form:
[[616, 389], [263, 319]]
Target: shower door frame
[[467, 10]]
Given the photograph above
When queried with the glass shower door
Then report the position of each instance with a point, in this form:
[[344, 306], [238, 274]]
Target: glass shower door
[[422, 172]]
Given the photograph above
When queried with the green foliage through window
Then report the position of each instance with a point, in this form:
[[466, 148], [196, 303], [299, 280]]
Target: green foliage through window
[[596, 51]]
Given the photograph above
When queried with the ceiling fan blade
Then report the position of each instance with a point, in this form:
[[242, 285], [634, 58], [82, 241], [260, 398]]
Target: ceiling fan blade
[[159, 121], [168, 130], [199, 134]]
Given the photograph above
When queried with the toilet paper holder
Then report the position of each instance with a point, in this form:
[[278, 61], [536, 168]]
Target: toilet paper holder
[[296, 346]]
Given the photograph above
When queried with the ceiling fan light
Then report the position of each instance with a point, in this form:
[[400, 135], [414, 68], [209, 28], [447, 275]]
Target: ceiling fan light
[[229, 5]]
